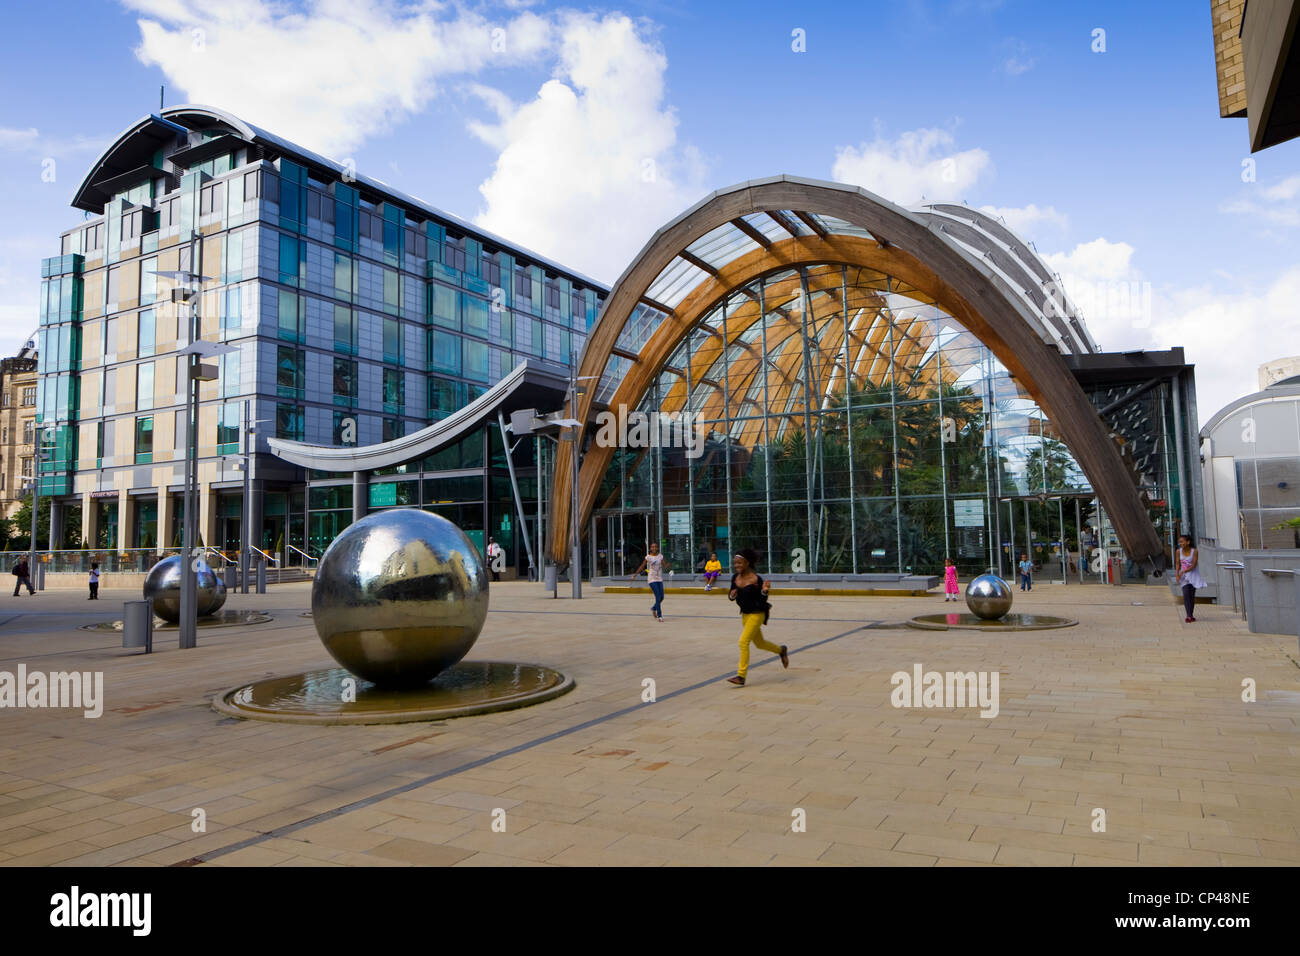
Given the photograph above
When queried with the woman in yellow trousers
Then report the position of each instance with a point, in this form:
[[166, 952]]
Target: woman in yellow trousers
[[749, 591]]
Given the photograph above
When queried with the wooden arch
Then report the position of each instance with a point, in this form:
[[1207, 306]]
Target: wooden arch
[[902, 245]]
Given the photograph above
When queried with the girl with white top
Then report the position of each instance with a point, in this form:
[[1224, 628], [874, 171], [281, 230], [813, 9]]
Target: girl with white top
[[1188, 576], [654, 565]]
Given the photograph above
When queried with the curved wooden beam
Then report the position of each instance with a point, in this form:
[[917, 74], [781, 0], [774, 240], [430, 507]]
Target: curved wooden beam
[[921, 258]]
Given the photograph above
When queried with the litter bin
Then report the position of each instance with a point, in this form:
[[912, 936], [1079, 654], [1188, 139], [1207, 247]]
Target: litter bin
[[137, 624], [230, 577], [261, 577], [552, 584]]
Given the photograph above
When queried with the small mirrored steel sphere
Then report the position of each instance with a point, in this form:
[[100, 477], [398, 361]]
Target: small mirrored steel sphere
[[988, 597], [400, 596], [163, 584]]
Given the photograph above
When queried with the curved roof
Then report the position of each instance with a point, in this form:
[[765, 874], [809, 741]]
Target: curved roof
[[782, 230], [133, 152], [1284, 391]]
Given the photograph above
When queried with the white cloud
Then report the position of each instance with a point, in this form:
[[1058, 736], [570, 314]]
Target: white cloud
[[333, 75], [1278, 204], [32, 142], [919, 163], [1026, 221], [1226, 333], [590, 167], [1018, 59]]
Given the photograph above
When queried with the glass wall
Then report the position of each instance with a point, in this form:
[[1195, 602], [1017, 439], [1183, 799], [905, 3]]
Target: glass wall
[[844, 424]]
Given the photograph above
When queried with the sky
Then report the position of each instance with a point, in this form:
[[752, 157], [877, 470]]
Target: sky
[[1092, 128]]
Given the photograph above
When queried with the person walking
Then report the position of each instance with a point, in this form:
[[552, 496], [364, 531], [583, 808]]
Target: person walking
[[654, 566], [94, 582], [1188, 575], [1026, 572], [23, 572], [750, 591], [949, 580], [494, 552], [712, 568]]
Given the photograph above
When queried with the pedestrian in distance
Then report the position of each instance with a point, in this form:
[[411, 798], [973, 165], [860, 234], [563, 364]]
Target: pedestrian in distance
[[750, 591], [950, 589], [23, 572], [493, 553], [1188, 575], [712, 568], [1026, 573], [654, 564], [94, 582]]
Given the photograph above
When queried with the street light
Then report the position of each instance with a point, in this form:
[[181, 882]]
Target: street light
[[196, 349], [42, 442], [244, 463]]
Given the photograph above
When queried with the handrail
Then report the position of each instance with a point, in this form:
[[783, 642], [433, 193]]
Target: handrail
[[302, 552], [219, 553], [267, 555], [1235, 568]]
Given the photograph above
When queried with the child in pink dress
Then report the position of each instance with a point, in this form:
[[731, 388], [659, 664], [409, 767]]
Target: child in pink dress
[[949, 580]]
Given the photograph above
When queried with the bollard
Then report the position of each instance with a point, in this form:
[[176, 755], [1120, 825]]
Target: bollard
[[137, 624], [261, 576], [230, 577], [552, 580], [38, 572]]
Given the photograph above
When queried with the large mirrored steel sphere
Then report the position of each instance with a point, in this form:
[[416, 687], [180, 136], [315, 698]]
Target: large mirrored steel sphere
[[163, 584], [988, 597], [400, 596]]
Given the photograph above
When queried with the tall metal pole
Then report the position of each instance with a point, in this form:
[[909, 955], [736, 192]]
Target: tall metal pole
[[575, 563], [36, 501], [246, 520], [189, 591]]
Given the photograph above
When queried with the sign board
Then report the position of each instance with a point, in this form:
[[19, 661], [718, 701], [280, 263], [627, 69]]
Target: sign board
[[968, 512], [383, 495], [103, 494], [679, 522]]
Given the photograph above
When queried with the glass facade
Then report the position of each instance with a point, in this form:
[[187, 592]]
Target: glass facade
[[881, 437]]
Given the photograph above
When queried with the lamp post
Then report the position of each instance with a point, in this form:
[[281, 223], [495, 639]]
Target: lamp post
[[195, 351], [35, 477]]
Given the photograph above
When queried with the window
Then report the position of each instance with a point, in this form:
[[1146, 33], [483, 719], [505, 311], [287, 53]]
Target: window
[[228, 430], [444, 306], [144, 386], [232, 317], [453, 253], [394, 390], [288, 422], [234, 258], [476, 315], [146, 335], [475, 359], [290, 316], [391, 296], [8, 399], [392, 341], [445, 396], [345, 277], [27, 467], [148, 280], [289, 372], [4, 437], [491, 268], [290, 259], [444, 352], [392, 429], [345, 330], [230, 374], [144, 440], [99, 443], [345, 381], [29, 431]]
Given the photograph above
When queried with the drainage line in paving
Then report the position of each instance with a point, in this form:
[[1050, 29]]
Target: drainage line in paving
[[481, 761]]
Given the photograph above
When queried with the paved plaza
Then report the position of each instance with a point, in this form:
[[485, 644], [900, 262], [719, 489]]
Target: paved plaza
[[1132, 712]]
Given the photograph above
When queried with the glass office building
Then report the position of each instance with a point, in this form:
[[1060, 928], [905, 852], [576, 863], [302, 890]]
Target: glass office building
[[357, 314]]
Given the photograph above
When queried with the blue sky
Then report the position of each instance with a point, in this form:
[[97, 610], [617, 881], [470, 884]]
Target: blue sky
[[578, 131]]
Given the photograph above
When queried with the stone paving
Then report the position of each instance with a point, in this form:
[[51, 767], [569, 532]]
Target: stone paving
[[1132, 712]]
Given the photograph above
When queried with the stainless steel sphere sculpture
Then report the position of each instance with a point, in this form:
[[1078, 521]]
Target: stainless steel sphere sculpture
[[163, 584], [988, 597], [399, 597]]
